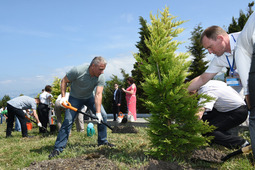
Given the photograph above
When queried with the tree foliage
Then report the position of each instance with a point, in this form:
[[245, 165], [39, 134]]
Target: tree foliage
[[5, 99], [238, 23], [109, 90], [144, 52], [174, 130], [197, 51], [55, 89]]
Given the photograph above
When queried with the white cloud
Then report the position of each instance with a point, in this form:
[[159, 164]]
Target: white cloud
[[9, 29], [128, 17], [6, 82], [115, 64]]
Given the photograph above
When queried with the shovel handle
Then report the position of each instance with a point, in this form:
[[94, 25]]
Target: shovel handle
[[35, 122], [69, 106]]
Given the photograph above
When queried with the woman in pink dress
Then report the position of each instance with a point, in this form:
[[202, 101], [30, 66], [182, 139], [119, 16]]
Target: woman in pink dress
[[131, 99]]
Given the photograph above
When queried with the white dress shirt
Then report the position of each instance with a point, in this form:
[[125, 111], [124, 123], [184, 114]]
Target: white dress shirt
[[244, 50], [225, 97]]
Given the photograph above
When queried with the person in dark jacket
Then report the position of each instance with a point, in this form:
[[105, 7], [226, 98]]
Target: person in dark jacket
[[116, 101]]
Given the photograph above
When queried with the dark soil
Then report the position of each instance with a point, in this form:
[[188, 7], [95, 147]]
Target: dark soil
[[124, 129], [95, 161], [99, 161]]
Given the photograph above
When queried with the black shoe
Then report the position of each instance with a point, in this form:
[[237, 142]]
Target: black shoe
[[53, 153], [108, 144]]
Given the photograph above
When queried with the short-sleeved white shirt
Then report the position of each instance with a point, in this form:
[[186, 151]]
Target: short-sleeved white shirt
[[44, 98], [225, 97], [244, 50]]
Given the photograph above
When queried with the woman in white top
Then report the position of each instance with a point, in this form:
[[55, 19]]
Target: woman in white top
[[44, 107]]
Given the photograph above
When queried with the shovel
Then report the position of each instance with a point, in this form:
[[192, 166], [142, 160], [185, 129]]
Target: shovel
[[36, 123], [69, 106], [246, 149]]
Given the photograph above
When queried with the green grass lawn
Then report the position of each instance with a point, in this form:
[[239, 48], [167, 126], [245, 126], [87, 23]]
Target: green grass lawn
[[17, 152]]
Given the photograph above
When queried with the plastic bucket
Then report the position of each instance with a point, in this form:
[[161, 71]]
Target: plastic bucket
[[29, 126]]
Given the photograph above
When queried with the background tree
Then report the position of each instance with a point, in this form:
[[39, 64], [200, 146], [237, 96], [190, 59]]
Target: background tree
[[199, 65], [144, 53], [238, 23], [55, 89], [109, 90], [4, 100], [174, 130]]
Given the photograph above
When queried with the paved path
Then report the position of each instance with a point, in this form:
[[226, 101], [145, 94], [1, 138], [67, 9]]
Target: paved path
[[140, 121]]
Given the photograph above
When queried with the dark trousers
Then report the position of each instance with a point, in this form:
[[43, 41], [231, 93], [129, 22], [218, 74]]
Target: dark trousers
[[12, 112], [43, 115], [115, 111], [223, 121], [251, 86]]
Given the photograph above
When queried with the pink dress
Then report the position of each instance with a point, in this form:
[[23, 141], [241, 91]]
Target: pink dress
[[131, 101]]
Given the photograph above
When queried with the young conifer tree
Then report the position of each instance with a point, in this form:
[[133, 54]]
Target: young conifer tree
[[174, 130]]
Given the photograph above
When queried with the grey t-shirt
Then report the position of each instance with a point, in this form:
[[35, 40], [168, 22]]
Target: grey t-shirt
[[82, 84], [23, 102]]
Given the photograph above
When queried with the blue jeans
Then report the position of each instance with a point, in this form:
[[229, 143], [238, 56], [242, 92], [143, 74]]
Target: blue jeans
[[17, 124], [70, 115], [1, 118]]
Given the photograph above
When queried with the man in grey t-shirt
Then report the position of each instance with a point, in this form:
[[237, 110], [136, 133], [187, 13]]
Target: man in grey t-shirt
[[83, 79], [15, 107]]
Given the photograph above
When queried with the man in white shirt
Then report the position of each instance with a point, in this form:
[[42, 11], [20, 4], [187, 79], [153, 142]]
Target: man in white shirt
[[227, 110], [217, 41], [44, 108], [245, 58]]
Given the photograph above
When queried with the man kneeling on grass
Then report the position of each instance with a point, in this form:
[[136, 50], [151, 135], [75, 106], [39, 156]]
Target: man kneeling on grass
[[227, 110]]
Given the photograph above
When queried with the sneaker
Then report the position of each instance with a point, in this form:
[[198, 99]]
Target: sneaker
[[108, 144], [53, 153], [246, 143]]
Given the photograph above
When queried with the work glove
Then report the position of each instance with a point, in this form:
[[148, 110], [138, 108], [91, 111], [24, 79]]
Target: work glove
[[99, 117], [39, 124], [63, 100]]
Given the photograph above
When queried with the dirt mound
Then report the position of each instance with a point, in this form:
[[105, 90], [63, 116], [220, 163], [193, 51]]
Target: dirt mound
[[99, 161], [91, 161], [208, 154], [124, 129], [96, 162], [163, 165]]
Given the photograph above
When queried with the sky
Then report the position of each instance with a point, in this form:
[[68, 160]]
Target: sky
[[43, 39]]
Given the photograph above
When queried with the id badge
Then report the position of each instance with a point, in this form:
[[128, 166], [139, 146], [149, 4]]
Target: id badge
[[233, 81]]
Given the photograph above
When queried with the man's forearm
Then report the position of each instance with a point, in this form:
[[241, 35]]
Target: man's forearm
[[98, 102], [63, 86]]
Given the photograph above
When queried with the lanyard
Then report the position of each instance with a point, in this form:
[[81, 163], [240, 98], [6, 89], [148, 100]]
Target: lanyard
[[232, 67]]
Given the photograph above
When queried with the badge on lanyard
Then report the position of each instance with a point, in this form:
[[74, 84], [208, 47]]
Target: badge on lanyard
[[233, 78]]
